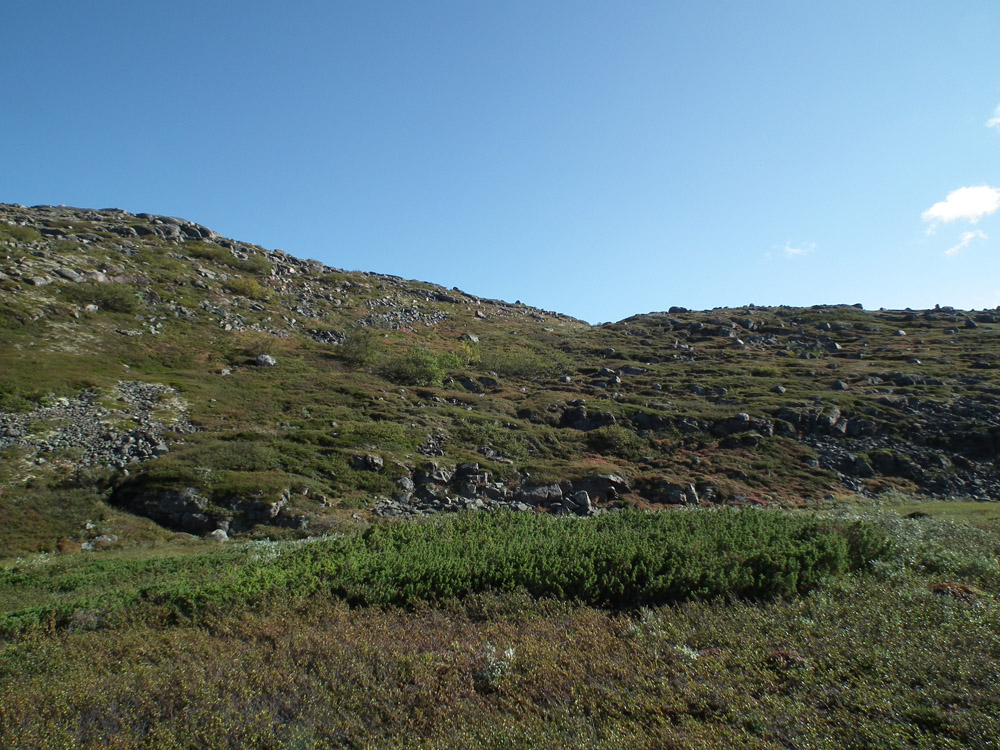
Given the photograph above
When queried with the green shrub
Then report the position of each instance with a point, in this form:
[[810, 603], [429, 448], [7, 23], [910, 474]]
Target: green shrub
[[617, 441], [15, 402], [18, 233], [207, 251], [927, 545], [109, 296], [249, 288], [617, 560], [418, 365], [256, 264], [381, 434], [519, 360], [64, 247], [363, 348]]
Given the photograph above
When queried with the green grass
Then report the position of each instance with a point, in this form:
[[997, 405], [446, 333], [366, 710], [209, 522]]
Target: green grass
[[255, 264], [15, 233], [983, 515], [119, 298]]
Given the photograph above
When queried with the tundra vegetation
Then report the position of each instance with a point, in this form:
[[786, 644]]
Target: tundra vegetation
[[248, 500]]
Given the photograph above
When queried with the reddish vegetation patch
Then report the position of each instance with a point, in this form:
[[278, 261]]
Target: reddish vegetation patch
[[68, 546], [961, 591]]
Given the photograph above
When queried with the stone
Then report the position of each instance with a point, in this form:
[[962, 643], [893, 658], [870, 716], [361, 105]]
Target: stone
[[69, 274], [541, 495], [579, 503], [603, 487], [219, 535], [671, 493], [471, 385], [265, 360], [862, 468], [369, 462]]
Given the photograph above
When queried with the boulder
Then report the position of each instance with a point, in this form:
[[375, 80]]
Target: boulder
[[369, 462], [577, 418], [602, 487], [540, 495], [69, 274], [471, 385], [578, 503]]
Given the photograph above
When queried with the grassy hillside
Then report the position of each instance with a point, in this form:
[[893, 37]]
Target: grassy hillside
[[249, 500], [137, 357]]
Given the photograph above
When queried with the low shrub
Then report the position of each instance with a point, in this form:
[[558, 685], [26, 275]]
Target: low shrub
[[110, 297], [517, 360], [249, 288], [418, 366], [619, 560], [17, 233], [256, 264], [363, 348], [617, 441]]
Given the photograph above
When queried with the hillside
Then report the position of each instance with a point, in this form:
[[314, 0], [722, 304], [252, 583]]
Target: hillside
[[230, 484], [152, 366]]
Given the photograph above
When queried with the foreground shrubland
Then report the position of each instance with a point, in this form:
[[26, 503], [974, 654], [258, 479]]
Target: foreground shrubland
[[618, 560], [685, 629]]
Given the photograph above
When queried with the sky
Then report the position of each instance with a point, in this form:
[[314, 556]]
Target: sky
[[593, 158]]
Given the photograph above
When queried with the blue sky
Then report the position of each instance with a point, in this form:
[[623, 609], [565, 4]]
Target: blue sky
[[599, 159]]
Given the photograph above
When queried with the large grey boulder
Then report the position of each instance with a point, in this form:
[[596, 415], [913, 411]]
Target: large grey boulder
[[69, 274]]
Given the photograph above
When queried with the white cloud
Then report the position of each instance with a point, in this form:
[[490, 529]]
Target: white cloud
[[994, 122], [969, 203], [788, 250], [965, 239]]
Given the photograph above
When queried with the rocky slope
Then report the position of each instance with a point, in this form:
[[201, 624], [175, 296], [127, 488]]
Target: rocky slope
[[217, 387]]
